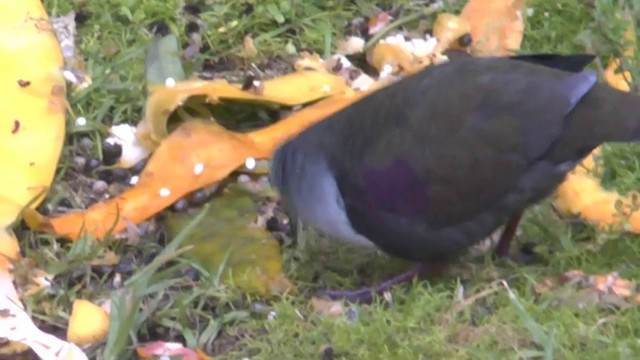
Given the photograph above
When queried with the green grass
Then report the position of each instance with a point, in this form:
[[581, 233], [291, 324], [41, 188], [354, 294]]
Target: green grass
[[421, 321]]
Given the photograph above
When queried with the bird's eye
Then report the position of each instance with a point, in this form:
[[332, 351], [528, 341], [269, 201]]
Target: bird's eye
[[465, 40]]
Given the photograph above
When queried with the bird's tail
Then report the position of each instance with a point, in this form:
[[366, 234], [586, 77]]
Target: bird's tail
[[603, 115]]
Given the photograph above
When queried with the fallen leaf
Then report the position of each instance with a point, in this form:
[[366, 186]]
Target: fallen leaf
[[33, 113], [578, 289], [109, 258], [309, 62], [163, 60], [328, 308], [29, 278], [497, 26], [248, 48], [228, 241], [88, 324]]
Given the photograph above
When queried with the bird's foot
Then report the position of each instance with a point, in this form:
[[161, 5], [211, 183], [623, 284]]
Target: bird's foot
[[365, 295]]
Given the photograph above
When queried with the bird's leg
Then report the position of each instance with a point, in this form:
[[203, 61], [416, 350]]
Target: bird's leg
[[366, 294], [506, 238]]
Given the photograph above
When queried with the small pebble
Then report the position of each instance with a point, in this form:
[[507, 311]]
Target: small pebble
[[100, 187], [192, 9], [192, 274], [111, 152], [105, 175], [79, 162], [125, 265], [273, 225], [244, 179], [120, 175], [181, 205], [352, 315], [327, 353], [64, 202], [91, 165], [260, 307], [86, 143], [139, 166], [199, 197]]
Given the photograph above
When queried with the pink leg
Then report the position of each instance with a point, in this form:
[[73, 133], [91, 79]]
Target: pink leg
[[366, 294], [504, 244]]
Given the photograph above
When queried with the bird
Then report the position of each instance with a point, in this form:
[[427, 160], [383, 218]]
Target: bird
[[426, 167]]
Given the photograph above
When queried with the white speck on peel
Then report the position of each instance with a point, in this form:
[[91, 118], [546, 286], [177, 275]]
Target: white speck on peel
[[326, 88], [170, 82], [81, 121], [134, 180], [164, 192], [250, 163], [198, 168]]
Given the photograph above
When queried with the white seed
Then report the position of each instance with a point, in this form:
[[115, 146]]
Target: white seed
[[81, 121], [250, 163], [170, 82], [198, 168], [164, 192], [70, 76]]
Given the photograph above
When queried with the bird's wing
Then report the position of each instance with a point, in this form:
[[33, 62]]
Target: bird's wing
[[450, 142]]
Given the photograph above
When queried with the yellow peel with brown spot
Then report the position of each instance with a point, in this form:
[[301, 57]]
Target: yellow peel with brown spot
[[32, 116]]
